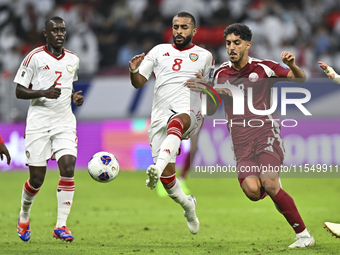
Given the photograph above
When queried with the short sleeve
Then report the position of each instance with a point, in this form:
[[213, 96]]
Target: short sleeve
[[280, 70], [75, 77], [25, 72], [147, 66], [209, 68]]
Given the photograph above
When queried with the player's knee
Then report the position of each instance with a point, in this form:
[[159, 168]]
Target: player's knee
[[37, 180], [271, 186], [67, 171], [252, 188], [252, 192], [253, 195]]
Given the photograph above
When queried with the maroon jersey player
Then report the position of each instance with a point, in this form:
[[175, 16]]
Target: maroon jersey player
[[261, 146]]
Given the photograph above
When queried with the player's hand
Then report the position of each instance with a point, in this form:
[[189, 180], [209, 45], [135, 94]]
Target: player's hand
[[78, 99], [135, 62], [324, 66], [52, 92], [197, 84], [288, 58], [224, 91], [4, 151]]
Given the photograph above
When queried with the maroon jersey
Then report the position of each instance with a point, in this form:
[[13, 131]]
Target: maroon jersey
[[260, 75]]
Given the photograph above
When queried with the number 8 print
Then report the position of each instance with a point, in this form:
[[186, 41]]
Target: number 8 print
[[177, 65]]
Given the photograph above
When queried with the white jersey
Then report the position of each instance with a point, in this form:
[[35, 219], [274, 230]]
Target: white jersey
[[172, 68], [38, 71]]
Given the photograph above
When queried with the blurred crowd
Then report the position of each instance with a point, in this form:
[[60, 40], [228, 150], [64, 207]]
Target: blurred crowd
[[107, 34]]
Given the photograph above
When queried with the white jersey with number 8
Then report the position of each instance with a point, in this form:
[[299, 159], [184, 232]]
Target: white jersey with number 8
[[172, 68]]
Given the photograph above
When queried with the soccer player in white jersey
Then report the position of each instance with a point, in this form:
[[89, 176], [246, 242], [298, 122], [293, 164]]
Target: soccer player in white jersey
[[334, 228], [46, 77], [176, 111]]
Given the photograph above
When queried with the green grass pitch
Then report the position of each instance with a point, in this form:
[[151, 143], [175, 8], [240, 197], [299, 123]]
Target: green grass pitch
[[125, 217]]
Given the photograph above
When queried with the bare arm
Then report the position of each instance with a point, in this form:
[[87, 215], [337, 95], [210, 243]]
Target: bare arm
[[137, 80], [25, 93], [296, 74], [4, 151]]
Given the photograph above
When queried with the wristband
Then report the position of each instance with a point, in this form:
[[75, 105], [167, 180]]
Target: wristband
[[1, 140], [330, 70], [134, 71]]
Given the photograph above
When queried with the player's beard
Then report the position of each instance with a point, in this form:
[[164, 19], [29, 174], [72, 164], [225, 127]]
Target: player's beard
[[185, 42], [238, 59]]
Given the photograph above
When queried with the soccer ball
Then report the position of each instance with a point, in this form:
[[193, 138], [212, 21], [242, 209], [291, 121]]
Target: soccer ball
[[103, 167]]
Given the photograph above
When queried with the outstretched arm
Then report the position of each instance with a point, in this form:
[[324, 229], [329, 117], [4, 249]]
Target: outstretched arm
[[296, 72], [25, 93], [330, 72], [4, 151], [137, 80]]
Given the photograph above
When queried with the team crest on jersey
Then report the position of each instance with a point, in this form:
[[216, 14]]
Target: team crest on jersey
[[23, 73], [27, 154], [253, 77], [193, 57], [69, 68]]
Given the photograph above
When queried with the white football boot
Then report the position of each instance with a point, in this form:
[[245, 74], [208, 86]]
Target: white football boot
[[303, 241], [192, 220], [153, 176], [334, 228]]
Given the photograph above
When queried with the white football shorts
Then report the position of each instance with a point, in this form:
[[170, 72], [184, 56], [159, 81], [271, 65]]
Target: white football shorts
[[41, 147], [157, 131]]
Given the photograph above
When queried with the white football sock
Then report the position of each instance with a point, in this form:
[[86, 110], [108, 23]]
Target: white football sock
[[303, 233], [28, 195], [65, 199], [168, 149], [178, 195], [26, 204]]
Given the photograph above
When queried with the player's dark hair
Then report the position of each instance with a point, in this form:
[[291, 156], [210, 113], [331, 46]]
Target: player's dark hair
[[239, 29], [52, 18], [187, 15]]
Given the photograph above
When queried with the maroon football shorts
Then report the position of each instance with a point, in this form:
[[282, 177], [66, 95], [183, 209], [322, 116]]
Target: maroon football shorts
[[269, 144]]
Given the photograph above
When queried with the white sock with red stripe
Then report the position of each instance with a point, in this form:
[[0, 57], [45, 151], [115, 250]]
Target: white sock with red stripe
[[171, 143], [65, 198], [28, 195], [174, 190]]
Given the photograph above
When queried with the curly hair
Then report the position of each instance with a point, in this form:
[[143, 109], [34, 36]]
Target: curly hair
[[239, 29]]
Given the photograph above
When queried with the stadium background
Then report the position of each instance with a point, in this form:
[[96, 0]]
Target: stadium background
[[106, 34]]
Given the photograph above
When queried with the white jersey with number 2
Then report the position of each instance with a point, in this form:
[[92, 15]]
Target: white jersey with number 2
[[38, 71], [172, 67]]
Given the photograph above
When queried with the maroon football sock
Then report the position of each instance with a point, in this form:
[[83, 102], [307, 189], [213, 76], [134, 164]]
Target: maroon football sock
[[286, 205]]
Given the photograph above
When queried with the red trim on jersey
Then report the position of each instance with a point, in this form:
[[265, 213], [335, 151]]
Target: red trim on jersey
[[186, 48], [30, 55], [1, 140], [68, 51], [57, 58]]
